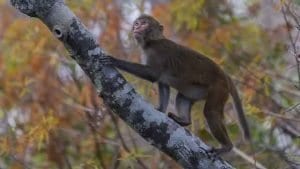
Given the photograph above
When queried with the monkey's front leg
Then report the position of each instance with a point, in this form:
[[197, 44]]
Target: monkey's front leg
[[143, 71], [164, 95]]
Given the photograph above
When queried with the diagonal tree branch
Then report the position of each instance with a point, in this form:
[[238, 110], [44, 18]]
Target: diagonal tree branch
[[155, 127]]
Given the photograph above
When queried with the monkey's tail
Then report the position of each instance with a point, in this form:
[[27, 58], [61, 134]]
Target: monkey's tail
[[239, 109]]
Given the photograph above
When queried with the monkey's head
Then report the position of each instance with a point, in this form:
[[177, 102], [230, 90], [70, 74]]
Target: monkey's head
[[146, 28]]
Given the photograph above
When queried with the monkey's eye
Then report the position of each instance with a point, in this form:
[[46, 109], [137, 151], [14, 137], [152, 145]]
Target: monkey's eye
[[136, 24], [143, 22]]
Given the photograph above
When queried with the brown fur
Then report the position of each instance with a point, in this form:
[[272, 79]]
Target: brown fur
[[193, 75]]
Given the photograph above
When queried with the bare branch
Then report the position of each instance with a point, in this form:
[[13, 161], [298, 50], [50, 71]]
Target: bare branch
[[296, 54]]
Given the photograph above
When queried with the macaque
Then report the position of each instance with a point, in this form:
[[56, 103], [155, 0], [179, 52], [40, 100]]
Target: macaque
[[193, 75]]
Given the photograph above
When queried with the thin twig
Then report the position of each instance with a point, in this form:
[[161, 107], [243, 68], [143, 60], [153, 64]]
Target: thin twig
[[293, 43], [123, 141], [116, 161], [248, 158], [293, 107], [282, 116], [97, 144]]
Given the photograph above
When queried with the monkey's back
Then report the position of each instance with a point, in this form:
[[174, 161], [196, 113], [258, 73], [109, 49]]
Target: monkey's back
[[180, 63]]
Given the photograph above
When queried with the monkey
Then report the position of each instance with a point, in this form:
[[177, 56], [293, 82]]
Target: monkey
[[193, 75]]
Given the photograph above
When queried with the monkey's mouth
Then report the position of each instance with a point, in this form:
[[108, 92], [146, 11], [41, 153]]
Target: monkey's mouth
[[138, 31], [136, 34]]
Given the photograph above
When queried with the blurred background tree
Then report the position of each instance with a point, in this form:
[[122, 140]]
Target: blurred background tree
[[50, 116]]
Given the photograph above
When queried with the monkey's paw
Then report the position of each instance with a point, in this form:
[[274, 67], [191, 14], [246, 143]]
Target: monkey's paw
[[159, 109], [178, 119], [213, 154], [107, 60]]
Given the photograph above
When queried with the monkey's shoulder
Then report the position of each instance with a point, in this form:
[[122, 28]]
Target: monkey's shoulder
[[159, 46], [165, 50]]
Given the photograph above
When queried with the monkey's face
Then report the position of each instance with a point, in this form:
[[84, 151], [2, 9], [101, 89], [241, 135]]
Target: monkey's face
[[140, 28], [146, 28]]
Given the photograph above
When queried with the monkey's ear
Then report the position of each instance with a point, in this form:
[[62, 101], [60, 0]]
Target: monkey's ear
[[161, 28]]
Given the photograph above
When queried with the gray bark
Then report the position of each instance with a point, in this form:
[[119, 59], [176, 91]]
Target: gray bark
[[155, 127]]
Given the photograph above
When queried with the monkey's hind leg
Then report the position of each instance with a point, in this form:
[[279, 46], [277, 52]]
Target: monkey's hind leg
[[213, 112], [183, 107]]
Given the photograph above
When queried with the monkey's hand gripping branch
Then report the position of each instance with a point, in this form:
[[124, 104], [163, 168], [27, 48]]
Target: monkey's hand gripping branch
[[188, 150]]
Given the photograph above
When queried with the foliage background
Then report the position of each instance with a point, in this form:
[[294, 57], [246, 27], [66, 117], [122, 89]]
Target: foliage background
[[50, 116]]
